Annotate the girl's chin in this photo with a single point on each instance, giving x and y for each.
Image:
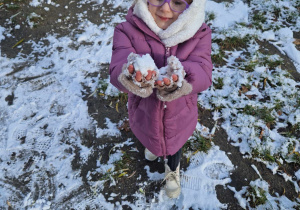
(163, 25)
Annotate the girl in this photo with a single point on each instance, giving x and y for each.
(161, 58)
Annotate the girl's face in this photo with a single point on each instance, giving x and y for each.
(163, 15)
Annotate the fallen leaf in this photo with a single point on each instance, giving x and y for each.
(261, 134)
(19, 42)
(122, 174)
(8, 203)
(131, 175)
(117, 104)
(125, 126)
(297, 42)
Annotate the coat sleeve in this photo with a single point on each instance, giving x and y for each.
(122, 47)
(198, 66)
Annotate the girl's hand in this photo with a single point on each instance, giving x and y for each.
(167, 81)
(139, 75)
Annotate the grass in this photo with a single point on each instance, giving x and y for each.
(276, 12)
(217, 59)
(259, 19)
(268, 157)
(264, 154)
(256, 196)
(197, 143)
(11, 4)
(231, 43)
(296, 157)
(261, 60)
(121, 168)
(119, 100)
(210, 16)
(264, 114)
(219, 83)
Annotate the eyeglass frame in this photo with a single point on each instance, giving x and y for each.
(168, 1)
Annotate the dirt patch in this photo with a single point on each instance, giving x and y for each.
(268, 49)
(59, 19)
(244, 173)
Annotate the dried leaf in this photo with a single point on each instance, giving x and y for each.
(131, 175)
(111, 105)
(117, 104)
(125, 126)
(293, 150)
(244, 89)
(142, 191)
(19, 42)
(297, 42)
(261, 134)
(122, 174)
(265, 83)
(109, 170)
(8, 203)
(250, 96)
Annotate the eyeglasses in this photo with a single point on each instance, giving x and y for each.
(175, 5)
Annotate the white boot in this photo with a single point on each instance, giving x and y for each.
(149, 155)
(172, 178)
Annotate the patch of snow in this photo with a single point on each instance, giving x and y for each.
(228, 14)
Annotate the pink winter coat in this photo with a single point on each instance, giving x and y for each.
(162, 127)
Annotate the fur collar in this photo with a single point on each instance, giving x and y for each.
(184, 28)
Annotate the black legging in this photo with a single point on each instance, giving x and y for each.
(173, 160)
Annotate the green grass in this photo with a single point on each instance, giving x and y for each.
(259, 19)
(217, 59)
(121, 168)
(276, 11)
(210, 16)
(119, 100)
(261, 60)
(11, 4)
(261, 113)
(197, 143)
(219, 83)
(256, 196)
(231, 43)
(268, 156)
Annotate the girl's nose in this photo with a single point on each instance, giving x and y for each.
(165, 7)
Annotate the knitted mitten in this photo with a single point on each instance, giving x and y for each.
(177, 88)
(143, 88)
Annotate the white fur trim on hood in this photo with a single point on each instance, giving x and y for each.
(185, 27)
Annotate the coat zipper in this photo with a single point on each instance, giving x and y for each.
(167, 54)
(167, 51)
(163, 113)
(163, 127)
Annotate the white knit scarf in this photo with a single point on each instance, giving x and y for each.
(185, 27)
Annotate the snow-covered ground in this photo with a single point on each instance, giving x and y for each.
(42, 124)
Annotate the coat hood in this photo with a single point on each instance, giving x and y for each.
(184, 28)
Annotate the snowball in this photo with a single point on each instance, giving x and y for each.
(144, 63)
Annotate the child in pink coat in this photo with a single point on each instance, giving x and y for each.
(161, 58)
